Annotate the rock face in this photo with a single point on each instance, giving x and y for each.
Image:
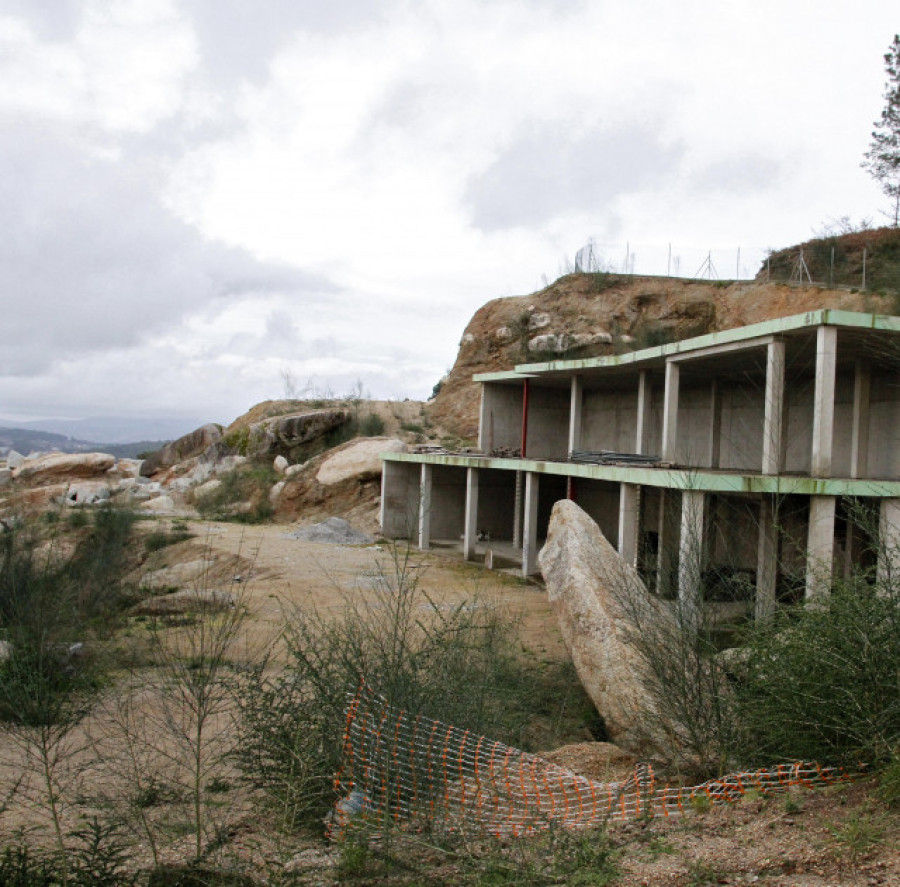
(56, 467)
(360, 459)
(281, 435)
(198, 441)
(595, 596)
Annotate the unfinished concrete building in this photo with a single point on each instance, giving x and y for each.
(755, 463)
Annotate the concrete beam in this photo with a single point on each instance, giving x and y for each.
(628, 523)
(766, 560)
(425, 508)
(642, 436)
(470, 534)
(670, 412)
(723, 348)
(773, 420)
(823, 401)
(529, 540)
(692, 557)
(820, 546)
(859, 434)
(889, 545)
(576, 400)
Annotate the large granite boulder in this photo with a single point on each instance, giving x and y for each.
(53, 468)
(600, 601)
(193, 444)
(360, 459)
(283, 435)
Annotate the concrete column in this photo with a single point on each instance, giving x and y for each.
(386, 478)
(575, 406)
(517, 512)
(628, 523)
(642, 436)
(425, 508)
(668, 530)
(823, 404)
(471, 527)
(889, 545)
(766, 559)
(670, 412)
(715, 424)
(773, 421)
(485, 429)
(859, 435)
(692, 556)
(820, 546)
(529, 541)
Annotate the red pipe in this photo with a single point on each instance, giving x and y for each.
(524, 417)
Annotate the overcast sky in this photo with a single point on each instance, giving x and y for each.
(197, 196)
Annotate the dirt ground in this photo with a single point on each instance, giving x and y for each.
(843, 835)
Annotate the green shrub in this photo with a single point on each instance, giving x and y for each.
(371, 425)
(457, 665)
(820, 681)
(242, 496)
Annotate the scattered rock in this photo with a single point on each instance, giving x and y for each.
(178, 575)
(538, 321)
(291, 470)
(193, 444)
(5, 477)
(207, 489)
(280, 464)
(87, 493)
(189, 600)
(360, 459)
(595, 596)
(333, 531)
(55, 467)
(14, 459)
(159, 504)
(276, 490)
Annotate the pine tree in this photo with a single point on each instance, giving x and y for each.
(883, 157)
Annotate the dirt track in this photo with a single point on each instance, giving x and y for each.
(278, 573)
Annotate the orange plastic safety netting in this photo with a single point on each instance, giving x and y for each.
(403, 769)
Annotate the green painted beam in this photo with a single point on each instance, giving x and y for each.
(671, 478)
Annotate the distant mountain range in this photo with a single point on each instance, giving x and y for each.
(122, 437)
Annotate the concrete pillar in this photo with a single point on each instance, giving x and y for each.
(859, 435)
(670, 412)
(773, 421)
(387, 471)
(889, 545)
(529, 540)
(820, 546)
(485, 424)
(823, 403)
(517, 512)
(642, 437)
(471, 527)
(575, 406)
(766, 559)
(425, 508)
(668, 530)
(692, 556)
(715, 424)
(628, 522)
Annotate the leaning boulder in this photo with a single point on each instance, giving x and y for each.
(53, 468)
(282, 435)
(360, 459)
(193, 444)
(599, 600)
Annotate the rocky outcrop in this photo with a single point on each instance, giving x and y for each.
(53, 468)
(599, 600)
(281, 435)
(360, 459)
(193, 444)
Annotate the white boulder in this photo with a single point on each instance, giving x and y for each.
(600, 601)
(360, 459)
